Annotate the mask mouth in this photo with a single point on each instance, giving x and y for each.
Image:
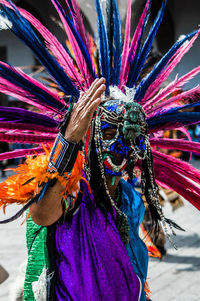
(116, 165)
(116, 159)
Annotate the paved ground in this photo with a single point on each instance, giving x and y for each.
(175, 278)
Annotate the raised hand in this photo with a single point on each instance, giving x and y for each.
(83, 111)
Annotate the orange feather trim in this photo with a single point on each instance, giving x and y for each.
(147, 290)
(22, 186)
(152, 249)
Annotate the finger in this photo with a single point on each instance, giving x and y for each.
(94, 105)
(93, 83)
(84, 93)
(94, 87)
(99, 92)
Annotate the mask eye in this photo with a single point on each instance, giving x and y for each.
(109, 134)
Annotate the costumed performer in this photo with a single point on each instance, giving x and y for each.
(86, 244)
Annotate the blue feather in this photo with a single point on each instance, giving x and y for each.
(38, 95)
(187, 106)
(133, 64)
(76, 35)
(104, 59)
(172, 120)
(117, 43)
(110, 34)
(146, 47)
(70, 6)
(43, 191)
(149, 78)
(22, 29)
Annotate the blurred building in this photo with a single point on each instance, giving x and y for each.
(181, 17)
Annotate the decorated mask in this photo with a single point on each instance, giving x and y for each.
(120, 131)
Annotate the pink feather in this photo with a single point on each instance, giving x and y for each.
(126, 45)
(173, 86)
(13, 90)
(166, 176)
(134, 43)
(153, 88)
(80, 60)
(179, 166)
(171, 102)
(165, 74)
(20, 153)
(178, 144)
(78, 22)
(53, 45)
(26, 138)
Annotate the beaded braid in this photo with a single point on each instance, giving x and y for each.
(122, 219)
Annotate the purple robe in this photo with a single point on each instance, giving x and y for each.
(91, 261)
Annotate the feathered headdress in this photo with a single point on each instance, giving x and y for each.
(121, 62)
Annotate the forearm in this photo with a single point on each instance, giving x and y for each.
(49, 209)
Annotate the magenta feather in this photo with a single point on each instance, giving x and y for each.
(78, 22)
(178, 144)
(134, 43)
(168, 174)
(57, 49)
(10, 89)
(172, 101)
(172, 87)
(80, 60)
(167, 71)
(20, 153)
(53, 45)
(14, 90)
(8, 125)
(26, 138)
(179, 166)
(126, 45)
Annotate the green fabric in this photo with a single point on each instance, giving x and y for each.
(37, 256)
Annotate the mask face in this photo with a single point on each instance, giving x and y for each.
(120, 131)
(114, 150)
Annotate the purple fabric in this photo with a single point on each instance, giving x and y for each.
(92, 262)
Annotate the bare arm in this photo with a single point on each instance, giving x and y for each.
(49, 209)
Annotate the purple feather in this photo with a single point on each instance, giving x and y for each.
(25, 116)
(56, 48)
(53, 45)
(9, 125)
(15, 82)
